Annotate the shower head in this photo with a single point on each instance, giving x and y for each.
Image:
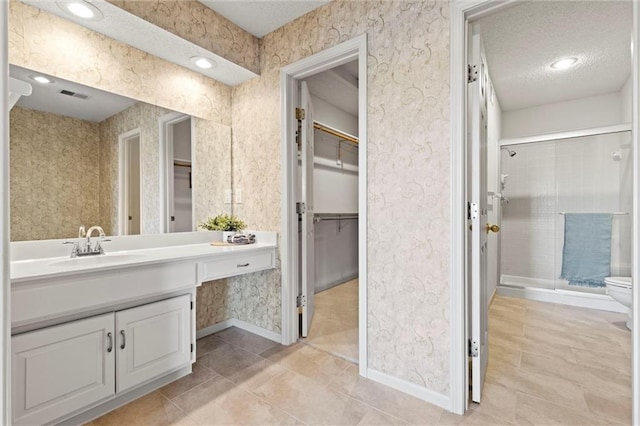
(511, 153)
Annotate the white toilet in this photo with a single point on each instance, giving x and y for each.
(619, 288)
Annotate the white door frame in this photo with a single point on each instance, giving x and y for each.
(123, 180)
(5, 281)
(461, 12)
(348, 51)
(165, 139)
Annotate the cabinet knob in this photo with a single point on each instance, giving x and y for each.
(124, 340)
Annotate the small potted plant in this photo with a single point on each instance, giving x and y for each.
(229, 224)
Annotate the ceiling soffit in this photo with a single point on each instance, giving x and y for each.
(200, 25)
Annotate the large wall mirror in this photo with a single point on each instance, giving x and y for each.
(82, 156)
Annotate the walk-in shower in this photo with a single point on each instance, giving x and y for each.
(550, 179)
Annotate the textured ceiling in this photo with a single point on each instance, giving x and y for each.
(261, 17)
(97, 107)
(522, 41)
(130, 29)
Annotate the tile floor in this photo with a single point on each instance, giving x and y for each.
(334, 328)
(549, 364)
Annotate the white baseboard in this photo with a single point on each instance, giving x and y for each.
(234, 322)
(603, 302)
(493, 296)
(212, 329)
(412, 389)
(267, 334)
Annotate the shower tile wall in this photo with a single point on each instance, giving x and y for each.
(577, 175)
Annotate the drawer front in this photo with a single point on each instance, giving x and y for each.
(237, 265)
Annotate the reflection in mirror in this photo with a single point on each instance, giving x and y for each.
(81, 156)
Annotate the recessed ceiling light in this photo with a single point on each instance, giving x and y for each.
(563, 64)
(41, 79)
(81, 9)
(203, 63)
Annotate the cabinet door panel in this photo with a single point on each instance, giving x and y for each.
(60, 369)
(153, 340)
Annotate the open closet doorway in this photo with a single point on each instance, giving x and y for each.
(324, 201)
(551, 160)
(176, 145)
(328, 208)
(130, 203)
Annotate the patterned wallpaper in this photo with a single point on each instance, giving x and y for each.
(200, 25)
(54, 178)
(145, 117)
(211, 168)
(408, 156)
(49, 44)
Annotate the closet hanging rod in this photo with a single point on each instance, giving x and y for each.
(318, 217)
(179, 164)
(335, 133)
(613, 213)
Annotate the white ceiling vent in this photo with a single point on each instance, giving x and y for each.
(73, 94)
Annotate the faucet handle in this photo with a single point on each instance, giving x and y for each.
(81, 232)
(75, 250)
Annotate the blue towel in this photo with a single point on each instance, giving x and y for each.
(586, 255)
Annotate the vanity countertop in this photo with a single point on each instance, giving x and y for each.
(36, 260)
(25, 270)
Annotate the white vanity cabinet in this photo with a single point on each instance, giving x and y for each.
(92, 334)
(152, 340)
(66, 368)
(61, 369)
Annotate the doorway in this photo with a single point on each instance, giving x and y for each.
(462, 15)
(176, 169)
(298, 247)
(329, 261)
(130, 218)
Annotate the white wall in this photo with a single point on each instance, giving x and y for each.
(182, 140)
(494, 126)
(584, 113)
(335, 191)
(332, 116)
(336, 252)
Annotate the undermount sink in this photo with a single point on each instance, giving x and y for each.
(97, 260)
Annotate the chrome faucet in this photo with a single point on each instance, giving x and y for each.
(87, 250)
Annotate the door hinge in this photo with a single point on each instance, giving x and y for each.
(472, 73)
(300, 114)
(472, 211)
(473, 348)
(192, 347)
(301, 208)
(301, 301)
(192, 306)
